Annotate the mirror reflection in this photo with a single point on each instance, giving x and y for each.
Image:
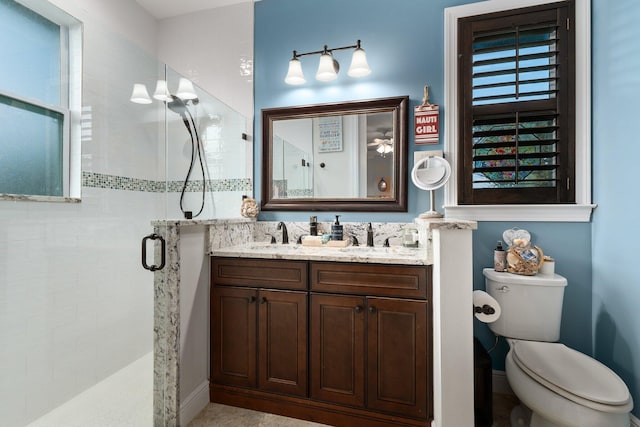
(344, 154)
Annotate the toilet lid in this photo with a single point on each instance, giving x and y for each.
(565, 370)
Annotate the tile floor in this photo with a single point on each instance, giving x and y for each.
(216, 415)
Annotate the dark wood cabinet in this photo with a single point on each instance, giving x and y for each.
(338, 343)
(282, 341)
(233, 336)
(258, 335)
(398, 356)
(337, 362)
(380, 343)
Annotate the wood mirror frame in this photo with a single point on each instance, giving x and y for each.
(396, 203)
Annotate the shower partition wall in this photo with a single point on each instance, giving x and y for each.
(225, 158)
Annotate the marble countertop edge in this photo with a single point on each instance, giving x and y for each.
(378, 255)
(191, 222)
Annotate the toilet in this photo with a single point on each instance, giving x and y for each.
(557, 386)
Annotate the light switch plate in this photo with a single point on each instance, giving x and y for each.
(419, 155)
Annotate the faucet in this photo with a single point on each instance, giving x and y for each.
(370, 236)
(285, 235)
(386, 242)
(354, 240)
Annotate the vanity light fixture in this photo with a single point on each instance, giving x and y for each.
(328, 67)
(185, 91)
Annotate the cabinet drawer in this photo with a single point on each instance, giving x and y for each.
(266, 273)
(371, 279)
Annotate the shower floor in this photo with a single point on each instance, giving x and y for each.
(125, 399)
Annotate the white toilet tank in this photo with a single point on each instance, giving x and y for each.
(531, 305)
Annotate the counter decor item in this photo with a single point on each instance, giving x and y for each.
(336, 229)
(499, 258)
(249, 207)
(548, 266)
(522, 257)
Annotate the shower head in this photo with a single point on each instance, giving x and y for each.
(178, 106)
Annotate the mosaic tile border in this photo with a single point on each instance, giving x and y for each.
(115, 182)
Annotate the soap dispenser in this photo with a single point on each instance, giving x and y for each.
(336, 229)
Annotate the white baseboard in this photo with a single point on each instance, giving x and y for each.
(500, 384)
(194, 403)
(635, 422)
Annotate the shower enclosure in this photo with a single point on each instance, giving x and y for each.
(76, 306)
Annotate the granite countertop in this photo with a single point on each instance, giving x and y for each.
(363, 254)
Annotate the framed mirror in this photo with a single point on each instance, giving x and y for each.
(349, 156)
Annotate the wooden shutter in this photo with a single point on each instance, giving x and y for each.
(516, 102)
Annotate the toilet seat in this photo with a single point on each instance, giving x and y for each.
(572, 375)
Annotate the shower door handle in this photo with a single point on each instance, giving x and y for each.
(153, 267)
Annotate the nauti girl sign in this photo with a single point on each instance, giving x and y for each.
(426, 121)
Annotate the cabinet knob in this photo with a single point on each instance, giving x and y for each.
(252, 299)
(263, 300)
(358, 309)
(372, 309)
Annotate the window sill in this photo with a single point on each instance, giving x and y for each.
(537, 213)
(24, 198)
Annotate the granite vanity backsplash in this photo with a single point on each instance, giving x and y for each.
(233, 237)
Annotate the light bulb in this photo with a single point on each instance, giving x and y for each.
(328, 68)
(359, 66)
(295, 76)
(139, 95)
(185, 89)
(162, 91)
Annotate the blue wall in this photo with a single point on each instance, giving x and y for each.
(616, 150)
(404, 41)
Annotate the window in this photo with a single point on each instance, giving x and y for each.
(39, 93)
(520, 135)
(516, 76)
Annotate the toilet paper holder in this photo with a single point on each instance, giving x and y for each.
(485, 309)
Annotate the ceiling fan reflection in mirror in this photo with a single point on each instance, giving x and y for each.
(383, 143)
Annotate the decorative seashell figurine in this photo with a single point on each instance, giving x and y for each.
(249, 208)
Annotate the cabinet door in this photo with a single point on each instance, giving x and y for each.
(233, 336)
(282, 337)
(398, 356)
(337, 348)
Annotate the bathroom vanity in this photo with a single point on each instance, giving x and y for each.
(333, 342)
(345, 336)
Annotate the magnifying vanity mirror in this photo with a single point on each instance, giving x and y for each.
(431, 173)
(349, 156)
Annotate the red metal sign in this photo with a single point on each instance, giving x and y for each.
(426, 124)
